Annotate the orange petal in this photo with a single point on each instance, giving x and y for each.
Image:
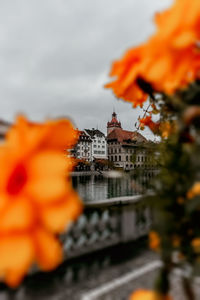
(17, 215)
(60, 135)
(53, 134)
(56, 217)
(47, 177)
(16, 256)
(48, 250)
(185, 39)
(7, 161)
(24, 136)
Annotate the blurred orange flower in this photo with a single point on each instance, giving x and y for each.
(126, 71)
(168, 128)
(154, 240)
(148, 295)
(147, 121)
(196, 245)
(194, 191)
(173, 58)
(168, 61)
(37, 199)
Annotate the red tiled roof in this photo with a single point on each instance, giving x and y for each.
(122, 136)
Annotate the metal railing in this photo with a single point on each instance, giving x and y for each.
(107, 223)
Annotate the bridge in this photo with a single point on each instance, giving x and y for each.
(106, 256)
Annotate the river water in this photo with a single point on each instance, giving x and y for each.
(100, 187)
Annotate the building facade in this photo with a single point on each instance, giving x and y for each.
(83, 149)
(127, 150)
(99, 144)
(4, 126)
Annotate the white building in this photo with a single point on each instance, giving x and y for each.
(83, 149)
(128, 149)
(4, 126)
(99, 144)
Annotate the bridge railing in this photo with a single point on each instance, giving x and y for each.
(107, 223)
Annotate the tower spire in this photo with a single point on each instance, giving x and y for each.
(113, 124)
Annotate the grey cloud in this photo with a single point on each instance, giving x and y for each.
(55, 56)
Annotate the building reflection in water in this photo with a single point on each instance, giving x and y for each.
(97, 187)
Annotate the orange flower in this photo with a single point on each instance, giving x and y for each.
(148, 295)
(154, 240)
(173, 52)
(37, 199)
(125, 86)
(168, 61)
(147, 121)
(196, 245)
(168, 128)
(194, 191)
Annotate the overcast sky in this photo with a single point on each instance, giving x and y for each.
(55, 56)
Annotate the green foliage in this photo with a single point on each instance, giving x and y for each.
(176, 203)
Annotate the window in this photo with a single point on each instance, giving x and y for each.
(119, 157)
(94, 146)
(138, 158)
(115, 150)
(115, 157)
(126, 157)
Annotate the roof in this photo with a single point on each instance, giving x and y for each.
(4, 126)
(125, 136)
(83, 136)
(6, 123)
(92, 132)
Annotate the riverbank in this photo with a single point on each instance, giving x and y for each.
(87, 173)
(105, 173)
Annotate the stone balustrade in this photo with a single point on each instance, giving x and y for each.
(107, 223)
